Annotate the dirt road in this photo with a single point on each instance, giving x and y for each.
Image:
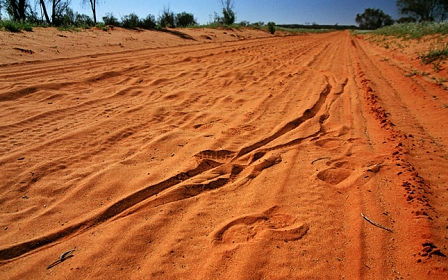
(253, 159)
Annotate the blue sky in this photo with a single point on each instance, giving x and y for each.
(278, 11)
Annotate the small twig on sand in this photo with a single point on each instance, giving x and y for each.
(320, 159)
(375, 164)
(375, 224)
(66, 255)
(63, 257)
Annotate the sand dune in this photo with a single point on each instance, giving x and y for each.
(214, 156)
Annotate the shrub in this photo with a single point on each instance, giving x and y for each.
(83, 20)
(11, 26)
(436, 53)
(15, 26)
(149, 22)
(185, 19)
(109, 19)
(271, 27)
(228, 16)
(167, 18)
(130, 21)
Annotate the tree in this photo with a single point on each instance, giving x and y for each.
(423, 10)
(167, 18)
(271, 27)
(149, 22)
(92, 4)
(44, 9)
(110, 19)
(227, 12)
(16, 9)
(373, 19)
(82, 20)
(130, 21)
(59, 11)
(185, 19)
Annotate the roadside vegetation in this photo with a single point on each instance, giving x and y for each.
(436, 32)
(423, 23)
(15, 26)
(414, 30)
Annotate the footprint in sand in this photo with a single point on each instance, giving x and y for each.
(338, 172)
(271, 225)
(223, 155)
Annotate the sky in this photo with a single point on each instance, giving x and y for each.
(279, 11)
(324, 12)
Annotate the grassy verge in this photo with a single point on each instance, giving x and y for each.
(15, 26)
(414, 30)
(302, 30)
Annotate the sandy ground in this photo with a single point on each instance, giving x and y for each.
(219, 154)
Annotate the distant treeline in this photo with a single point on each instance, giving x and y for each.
(317, 26)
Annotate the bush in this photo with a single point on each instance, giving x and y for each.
(185, 19)
(167, 18)
(109, 19)
(149, 22)
(228, 16)
(435, 53)
(15, 26)
(130, 21)
(271, 27)
(83, 20)
(11, 26)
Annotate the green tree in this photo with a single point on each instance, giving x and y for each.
(185, 19)
(227, 12)
(148, 23)
(61, 14)
(83, 20)
(423, 10)
(167, 18)
(110, 19)
(373, 19)
(130, 21)
(16, 9)
(271, 27)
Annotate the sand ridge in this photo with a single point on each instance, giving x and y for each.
(242, 159)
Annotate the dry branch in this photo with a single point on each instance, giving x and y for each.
(375, 224)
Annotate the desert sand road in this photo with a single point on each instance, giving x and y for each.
(296, 157)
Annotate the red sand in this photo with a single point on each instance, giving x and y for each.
(219, 154)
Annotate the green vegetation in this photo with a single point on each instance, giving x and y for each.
(414, 30)
(229, 16)
(15, 26)
(303, 30)
(373, 19)
(271, 27)
(436, 53)
(422, 10)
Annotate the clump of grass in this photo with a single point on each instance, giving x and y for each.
(439, 53)
(412, 73)
(414, 30)
(15, 26)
